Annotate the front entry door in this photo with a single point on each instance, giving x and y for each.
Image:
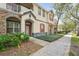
(28, 28)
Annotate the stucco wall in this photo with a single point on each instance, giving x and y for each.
(35, 23)
(37, 26)
(40, 17)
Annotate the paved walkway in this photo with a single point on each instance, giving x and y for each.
(60, 47)
(40, 42)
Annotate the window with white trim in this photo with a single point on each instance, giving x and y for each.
(13, 26)
(43, 13)
(39, 10)
(13, 7)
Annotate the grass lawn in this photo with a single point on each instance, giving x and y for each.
(74, 50)
(51, 37)
(75, 39)
(71, 54)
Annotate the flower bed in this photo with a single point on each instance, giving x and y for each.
(12, 40)
(26, 48)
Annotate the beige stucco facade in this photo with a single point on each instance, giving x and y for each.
(27, 14)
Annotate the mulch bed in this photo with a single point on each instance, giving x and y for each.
(25, 49)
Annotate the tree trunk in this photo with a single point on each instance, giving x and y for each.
(56, 30)
(78, 32)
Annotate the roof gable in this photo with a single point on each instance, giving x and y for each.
(31, 13)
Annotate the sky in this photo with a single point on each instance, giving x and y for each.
(47, 6)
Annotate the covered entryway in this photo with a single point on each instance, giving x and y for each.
(27, 23)
(28, 27)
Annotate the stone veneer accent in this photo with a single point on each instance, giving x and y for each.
(2, 25)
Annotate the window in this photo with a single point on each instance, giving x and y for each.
(13, 27)
(13, 7)
(47, 15)
(9, 27)
(50, 17)
(42, 28)
(43, 13)
(39, 10)
(17, 27)
(9, 6)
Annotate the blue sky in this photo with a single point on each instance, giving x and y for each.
(47, 6)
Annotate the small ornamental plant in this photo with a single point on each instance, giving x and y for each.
(12, 40)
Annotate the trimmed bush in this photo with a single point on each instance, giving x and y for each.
(50, 38)
(24, 37)
(15, 39)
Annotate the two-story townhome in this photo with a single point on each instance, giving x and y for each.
(29, 18)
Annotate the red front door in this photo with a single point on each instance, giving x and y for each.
(28, 28)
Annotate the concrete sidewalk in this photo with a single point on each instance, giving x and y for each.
(60, 47)
(38, 41)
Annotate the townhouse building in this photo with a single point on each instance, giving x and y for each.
(29, 18)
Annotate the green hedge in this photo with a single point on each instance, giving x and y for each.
(50, 38)
(11, 40)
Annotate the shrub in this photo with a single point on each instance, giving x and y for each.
(9, 40)
(2, 47)
(4, 39)
(14, 41)
(18, 35)
(24, 37)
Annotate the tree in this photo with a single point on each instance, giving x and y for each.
(71, 11)
(58, 10)
(68, 25)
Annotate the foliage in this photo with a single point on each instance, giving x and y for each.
(22, 36)
(58, 7)
(15, 39)
(50, 38)
(75, 38)
(71, 53)
(68, 25)
(67, 11)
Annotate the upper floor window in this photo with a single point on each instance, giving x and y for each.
(39, 10)
(43, 13)
(13, 7)
(42, 27)
(47, 15)
(50, 17)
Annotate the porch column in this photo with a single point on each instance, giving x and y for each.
(23, 24)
